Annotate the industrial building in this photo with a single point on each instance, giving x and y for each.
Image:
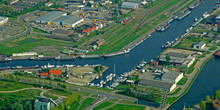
(199, 45)
(43, 103)
(157, 84)
(177, 59)
(172, 77)
(129, 5)
(3, 20)
(67, 21)
(217, 19)
(50, 16)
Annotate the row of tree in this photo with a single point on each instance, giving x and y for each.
(205, 104)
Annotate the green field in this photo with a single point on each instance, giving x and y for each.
(26, 94)
(86, 102)
(60, 92)
(126, 107)
(8, 86)
(28, 42)
(103, 105)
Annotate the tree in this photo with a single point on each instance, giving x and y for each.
(45, 82)
(51, 83)
(6, 101)
(2, 104)
(208, 99)
(64, 86)
(167, 60)
(202, 105)
(217, 94)
(40, 82)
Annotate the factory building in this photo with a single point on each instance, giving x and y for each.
(67, 21)
(178, 59)
(172, 77)
(157, 84)
(3, 20)
(50, 16)
(199, 45)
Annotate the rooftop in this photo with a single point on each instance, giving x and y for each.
(200, 44)
(135, 1)
(50, 16)
(155, 83)
(171, 75)
(129, 5)
(55, 72)
(66, 20)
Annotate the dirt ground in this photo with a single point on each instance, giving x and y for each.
(183, 51)
(46, 50)
(82, 75)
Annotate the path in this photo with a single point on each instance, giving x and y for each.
(22, 90)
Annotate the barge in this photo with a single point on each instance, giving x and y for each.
(40, 58)
(194, 5)
(65, 58)
(7, 59)
(163, 27)
(89, 56)
(183, 14)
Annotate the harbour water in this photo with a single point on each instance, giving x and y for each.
(147, 50)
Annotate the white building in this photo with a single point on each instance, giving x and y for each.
(3, 20)
(199, 45)
(48, 4)
(172, 77)
(24, 54)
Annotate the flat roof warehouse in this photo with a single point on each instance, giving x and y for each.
(59, 18)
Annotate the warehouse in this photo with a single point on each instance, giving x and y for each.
(172, 77)
(67, 21)
(129, 5)
(157, 84)
(50, 16)
(199, 45)
(178, 59)
(3, 20)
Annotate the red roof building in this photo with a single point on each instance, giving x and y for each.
(44, 74)
(55, 72)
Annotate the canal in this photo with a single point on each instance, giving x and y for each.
(147, 50)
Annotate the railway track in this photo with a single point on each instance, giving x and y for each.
(143, 20)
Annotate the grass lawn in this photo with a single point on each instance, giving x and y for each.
(188, 42)
(61, 92)
(175, 92)
(26, 94)
(182, 81)
(213, 48)
(191, 68)
(103, 105)
(86, 102)
(50, 96)
(28, 42)
(8, 86)
(168, 5)
(38, 30)
(126, 107)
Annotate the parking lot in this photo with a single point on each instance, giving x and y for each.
(10, 29)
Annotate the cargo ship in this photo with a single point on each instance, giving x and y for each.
(183, 15)
(90, 56)
(194, 5)
(163, 27)
(217, 54)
